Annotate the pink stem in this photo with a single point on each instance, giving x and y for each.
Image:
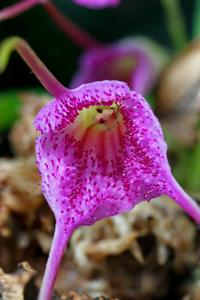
(58, 246)
(79, 36)
(47, 79)
(184, 200)
(16, 9)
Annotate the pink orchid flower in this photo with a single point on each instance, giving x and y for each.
(100, 152)
(97, 3)
(130, 60)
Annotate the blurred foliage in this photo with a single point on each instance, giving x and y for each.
(185, 162)
(174, 19)
(9, 105)
(196, 19)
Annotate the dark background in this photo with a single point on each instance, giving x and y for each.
(132, 17)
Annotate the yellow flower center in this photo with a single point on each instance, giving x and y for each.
(96, 119)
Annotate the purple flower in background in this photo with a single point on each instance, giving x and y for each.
(130, 60)
(97, 3)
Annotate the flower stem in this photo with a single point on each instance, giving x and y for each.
(47, 79)
(79, 36)
(58, 246)
(175, 23)
(184, 200)
(18, 8)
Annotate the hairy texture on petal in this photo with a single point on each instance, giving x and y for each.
(97, 3)
(59, 113)
(129, 60)
(95, 172)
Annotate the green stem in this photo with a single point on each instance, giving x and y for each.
(175, 23)
(196, 20)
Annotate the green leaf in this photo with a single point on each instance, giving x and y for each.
(7, 46)
(180, 159)
(151, 100)
(175, 22)
(9, 107)
(193, 170)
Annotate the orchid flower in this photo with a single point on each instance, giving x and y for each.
(97, 3)
(130, 60)
(100, 152)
